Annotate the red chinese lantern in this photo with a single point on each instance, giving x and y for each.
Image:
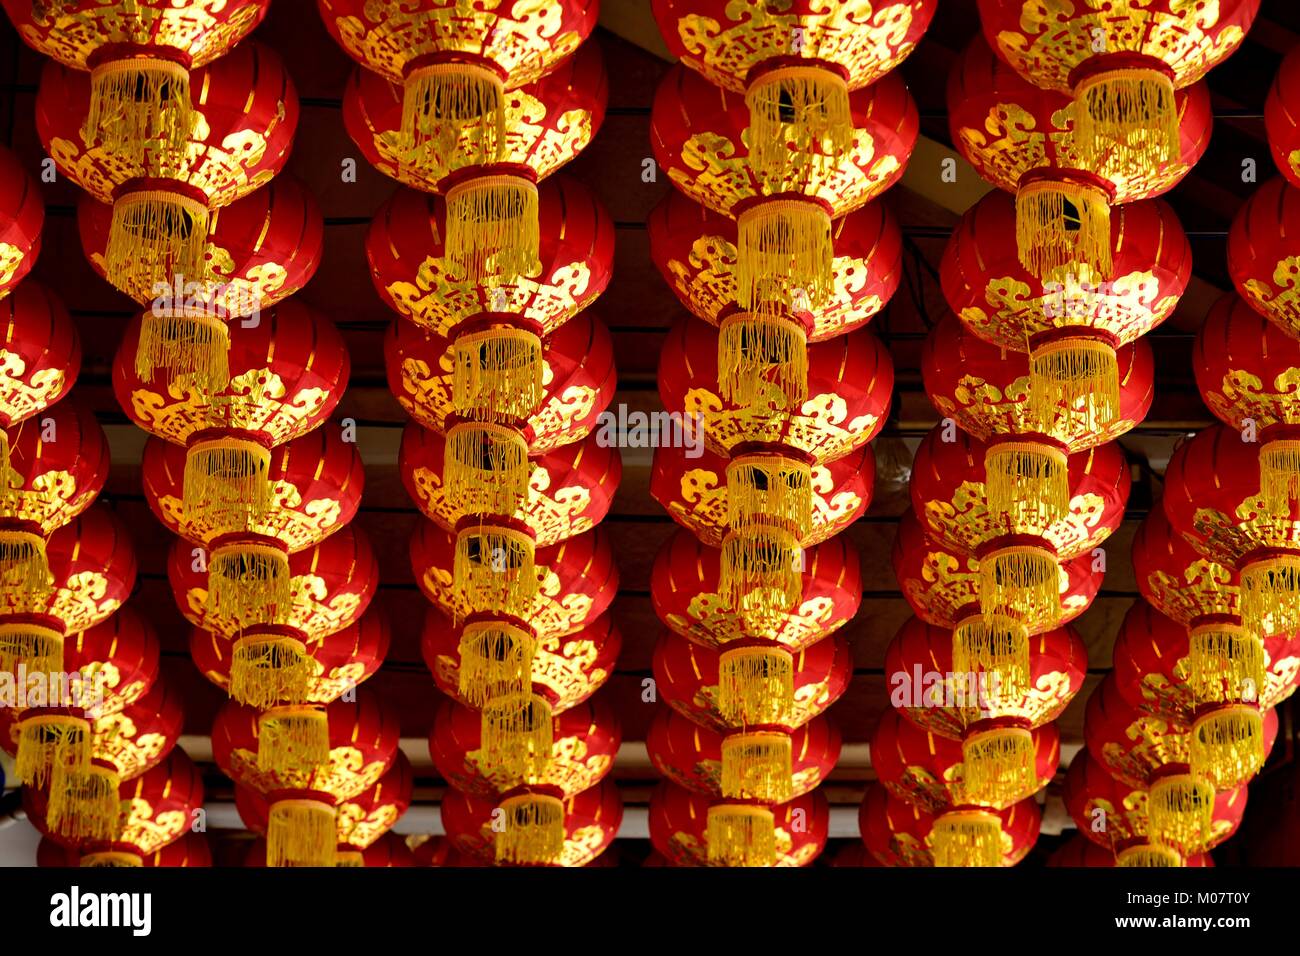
(304, 794)
(692, 829)
(1079, 851)
(591, 822)
(562, 589)
(1074, 328)
(702, 139)
(245, 111)
(756, 683)
(22, 214)
(898, 833)
(260, 249)
(696, 251)
(1280, 123)
(1026, 141)
(488, 658)
(1263, 258)
(685, 586)
(190, 850)
(1121, 66)
(40, 354)
(1113, 814)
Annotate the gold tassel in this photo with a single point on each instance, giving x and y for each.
(1180, 810)
(1279, 475)
(349, 858)
(49, 745)
(294, 739)
(1225, 663)
(806, 107)
(517, 736)
(1149, 854)
(755, 686)
(248, 584)
(761, 574)
(756, 352)
(492, 229)
(998, 766)
(1063, 228)
(455, 108)
(1227, 745)
(486, 469)
(38, 649)
(996, 646)
(769, 489)
(111, 858)
(141, 108)
(85, 804)
(25, 577)
(758, 766)
(493, 571)
(496, 660)
(534, 830)
(967, 838)
(1270, 595)
(497, 374)
(1020, 582)
(784, 260)
(741, 835)
(191, 345)
(1126, 117)
(1079, 375)
(269, 669)
(1029, 482)
(301, 833)
(227, 485)
(156, 236)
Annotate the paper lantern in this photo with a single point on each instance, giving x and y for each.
(1079, 851)
(190, 850)
(1263, 256)
(40, 355)
(22, 214)
(897, 833)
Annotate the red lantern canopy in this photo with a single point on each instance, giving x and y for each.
(40, 353)
(591, 822)
(22, 214)
(190, 850)
(756, 683)
(898, 833)
(686, 590)
(1079, 851)
(1263, 257)
(1283, 132)
(692, 829)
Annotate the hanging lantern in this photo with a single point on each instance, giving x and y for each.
(897, 833)
(40, 354)
(22, 215)
(191, 849)
(1026, 141)
(1079, 851)
(1263, 256)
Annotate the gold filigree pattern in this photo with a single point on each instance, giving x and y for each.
(573, 768)
(23, 393)
(553, 514)
(80, 601)
(1243, 395)
(289, 519)
(821, 427)
(50, 501)
(11, 257)
(966, 521)
(116, 740)
(687, 849)
(1204, 589)
(561, 664)
(709, 620)
(554, 612)
(148, 830)
(1280, 302)
(360, 826)
(345, 776)
(1044, 702)
(1250, 527)
(312, 609)
(1176, 700)
(1151, 742)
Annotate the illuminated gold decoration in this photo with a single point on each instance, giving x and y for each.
(498, 374)
(998, 766)
(806, 107)
(138, 105)
(156, 226)
(1227, 745)
(755, 686)
(301, 833)
(770, 489)
(446, 103)
(492, 228)
(1027, 477)
(190, 345)
(486, 468)
(266, 669)
(496, 660)
(24, 567)
(293, 739)
(38, 649)
(1279, 475)
(533, 830)
(741, 835)
(518, 735)
(248, 582)
(761, 574)
(784, 244)
(1180, 811)
(50, 745)
(967, 838)
(1061, 224)
(754, 349)
(1080, 373)
(84, 804)
(1129, 111)
(996, 645)
(758, 766)
(494, 570)
(1148, 854)
(226, 483)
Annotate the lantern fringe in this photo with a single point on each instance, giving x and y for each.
(349, 858)
(497, 373)
(227, 487)
(967, 838)
(486, 469)
(247, 584)
(1180, 810)
(1127, 119)
(38, 649)
(85, 804)
(492, 229)
(1029, 482)
(1270, 595)
(110, 858)
(141, 106)
(301, 833)
(755, 686)
(1022, 583)
(757, 352)
(998, 766)
(50, 745)
(804, 107)
(761, 576)
(293, 740)
(1279, 475)
(741, 835)
(784, 259)
(517, 736)
(269, 669)
(1149, 854)
(996, 646)
(496, 660)
(1225, 664)
(456, 109)
(534, 830)
(191, 345)
(758, 766)
(1227, 745)
(1079, 376)
(25, 578)
(156, 236)
(494, 571)
(1062, 227)
(767, 489)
